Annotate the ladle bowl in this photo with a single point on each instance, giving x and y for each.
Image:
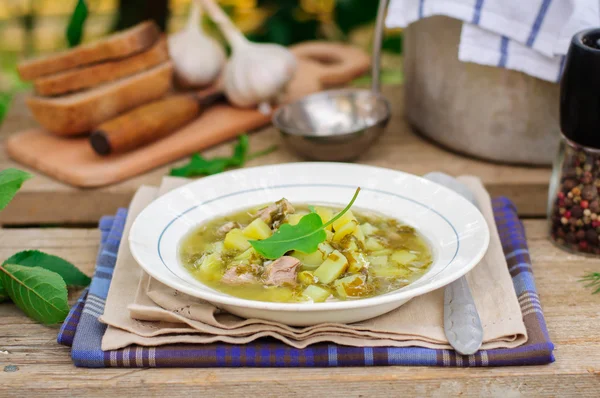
(334, 125)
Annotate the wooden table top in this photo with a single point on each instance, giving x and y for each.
(41, 366)
(43, 200)
(572, 314)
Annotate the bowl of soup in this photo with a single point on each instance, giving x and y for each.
(283, 243)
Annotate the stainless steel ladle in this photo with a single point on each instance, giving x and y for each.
(338, 125)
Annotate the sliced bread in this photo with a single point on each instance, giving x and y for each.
(118, 45)
(94, 75)
(81, 112)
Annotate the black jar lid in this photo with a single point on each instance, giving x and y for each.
(580, 90)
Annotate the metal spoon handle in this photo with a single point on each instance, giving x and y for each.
(377, 40)
(461, 319)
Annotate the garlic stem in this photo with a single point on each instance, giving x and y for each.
(230, 31)
(194, 17)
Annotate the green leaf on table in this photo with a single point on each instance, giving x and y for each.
(10, 182)
(5, 100)
(593, 281)
(35, 258)
(76, 23)
(240, 150)
(199, 166)
(3, 294)
(39, 293)
(304, 236)
(262, 153)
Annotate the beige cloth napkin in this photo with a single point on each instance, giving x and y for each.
(156, 314)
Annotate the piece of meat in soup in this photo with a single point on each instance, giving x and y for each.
(281, 271)
(238, 276)
(228, 226)
(274, 214)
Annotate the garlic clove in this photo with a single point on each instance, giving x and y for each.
(258, 73)
(197, 58)
(235, 86)
(255, 73)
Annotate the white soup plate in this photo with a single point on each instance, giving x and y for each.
(454, 228)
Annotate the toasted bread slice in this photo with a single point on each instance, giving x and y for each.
(81, 112)
(94, 75)
(118, 45)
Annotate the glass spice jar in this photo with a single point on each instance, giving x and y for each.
(574, 195)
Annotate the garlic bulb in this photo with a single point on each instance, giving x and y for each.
(255, 73)
(198, 59)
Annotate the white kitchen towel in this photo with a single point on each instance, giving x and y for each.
(530, 36)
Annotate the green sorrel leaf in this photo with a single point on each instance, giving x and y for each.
(240, 150)
(10, 182)
(199, 166)
(304, 236)
(39, 293)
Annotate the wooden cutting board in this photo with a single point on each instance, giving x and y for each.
(72, 160)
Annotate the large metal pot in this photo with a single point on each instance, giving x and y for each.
(491, 113)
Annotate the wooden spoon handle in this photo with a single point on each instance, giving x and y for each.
(144, 124)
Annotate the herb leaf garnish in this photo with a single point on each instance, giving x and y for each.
(304, 236)
(200, 166)
(39, 293)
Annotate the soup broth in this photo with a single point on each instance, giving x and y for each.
(365, 254)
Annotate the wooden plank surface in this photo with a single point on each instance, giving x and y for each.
(572, 314)
(43, 200)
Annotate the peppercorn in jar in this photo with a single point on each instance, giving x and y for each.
(575, 203)
(574, 196)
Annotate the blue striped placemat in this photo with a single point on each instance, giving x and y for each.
(83, 332)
